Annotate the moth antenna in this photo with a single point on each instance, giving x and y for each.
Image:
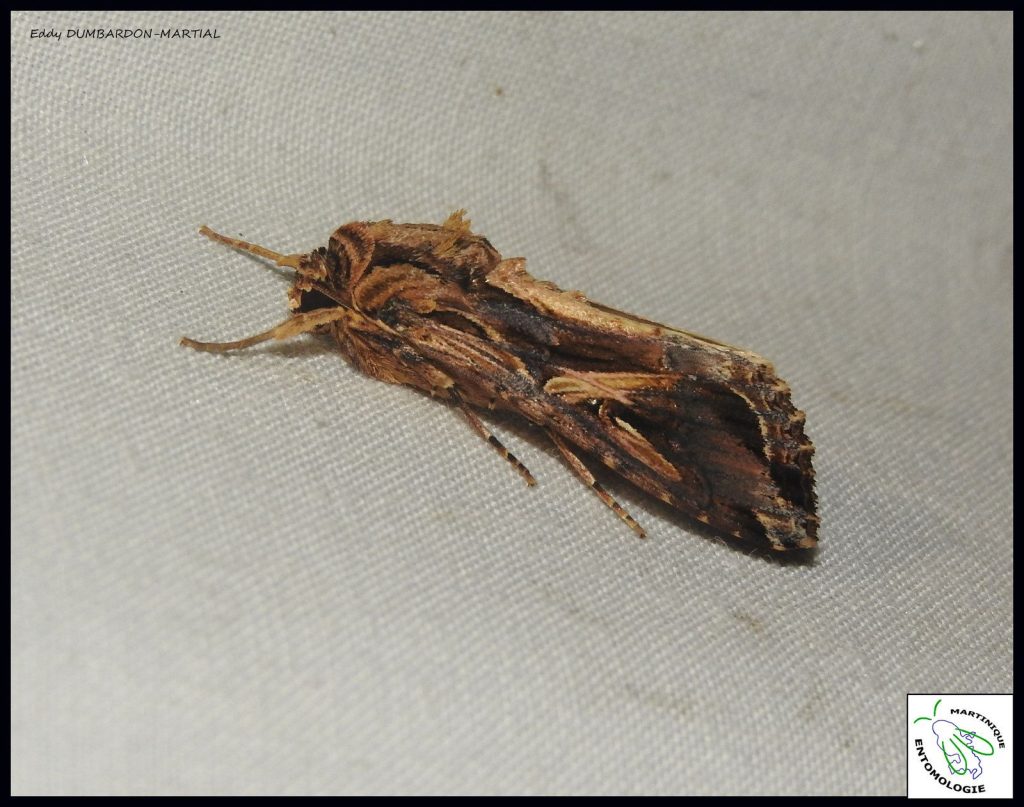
(286, 261)
(293, 326)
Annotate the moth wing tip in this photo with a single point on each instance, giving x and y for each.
(807, 542)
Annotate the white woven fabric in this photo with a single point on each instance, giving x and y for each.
(266, 573)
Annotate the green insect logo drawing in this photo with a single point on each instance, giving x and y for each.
(961, 749)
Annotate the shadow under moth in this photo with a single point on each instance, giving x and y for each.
(705, 427)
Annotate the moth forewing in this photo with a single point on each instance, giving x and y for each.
(706, 427)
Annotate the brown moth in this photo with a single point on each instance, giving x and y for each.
(708, 428)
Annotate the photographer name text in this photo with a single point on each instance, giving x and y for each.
(125, 33)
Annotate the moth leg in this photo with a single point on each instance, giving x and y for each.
(293, 326)
(484, 432)
(287, 261)
(583, 473)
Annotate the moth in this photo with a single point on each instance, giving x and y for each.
(708, 428)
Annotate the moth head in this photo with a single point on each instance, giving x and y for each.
(316, 283)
